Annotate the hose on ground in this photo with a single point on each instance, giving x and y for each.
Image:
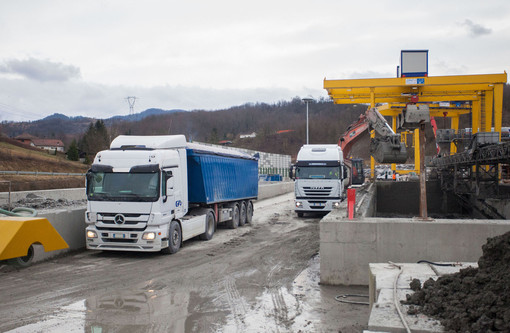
(434, 263)
(16, 212)
(395, 300)
(343, 299)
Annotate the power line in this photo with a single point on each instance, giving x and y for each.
(18, 113)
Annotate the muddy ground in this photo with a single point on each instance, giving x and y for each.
(262, 277)
(475, 299)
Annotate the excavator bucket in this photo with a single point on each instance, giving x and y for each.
(388, 149)
(17, 234)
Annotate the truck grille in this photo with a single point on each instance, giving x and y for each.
(317, 192)
(127, 222)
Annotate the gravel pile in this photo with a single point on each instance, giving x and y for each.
(40, 203)
(474, 299)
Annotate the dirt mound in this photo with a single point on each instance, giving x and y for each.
(474, 299)
(37, 202)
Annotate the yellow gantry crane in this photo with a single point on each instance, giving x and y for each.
(446, 96)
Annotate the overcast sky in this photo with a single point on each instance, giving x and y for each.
(85, 57)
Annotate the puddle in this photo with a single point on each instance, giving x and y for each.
(219, 308)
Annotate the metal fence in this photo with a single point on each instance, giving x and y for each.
(41, 173)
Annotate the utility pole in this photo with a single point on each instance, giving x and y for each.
(307, 101)
(131, 101)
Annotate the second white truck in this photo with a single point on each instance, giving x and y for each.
(319, 176)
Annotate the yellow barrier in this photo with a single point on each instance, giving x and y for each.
(17, 234)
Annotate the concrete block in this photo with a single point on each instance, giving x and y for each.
(384, 317)
(365, 240)
(383, 313)
(332, 264)
(339, 262)
(385, 274)
(70, 224)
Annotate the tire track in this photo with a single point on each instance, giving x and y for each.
(236, 303)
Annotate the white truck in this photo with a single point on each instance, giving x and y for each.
(319, 175)
(151, 193)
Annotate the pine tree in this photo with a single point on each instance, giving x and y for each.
(73, 153)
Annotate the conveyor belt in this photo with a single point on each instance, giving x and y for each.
(487, 155)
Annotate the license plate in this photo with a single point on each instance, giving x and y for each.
(316, 204)
(119, 236)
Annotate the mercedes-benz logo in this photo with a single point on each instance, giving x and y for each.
(119, 219)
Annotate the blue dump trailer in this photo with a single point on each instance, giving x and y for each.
(215, 177)
(151, 193)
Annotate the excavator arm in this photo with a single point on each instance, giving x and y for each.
(385, 147)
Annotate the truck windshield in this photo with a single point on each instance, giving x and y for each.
(314, 172)
(122, 186)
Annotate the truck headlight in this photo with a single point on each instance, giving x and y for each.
(91, 234)
(149, 236)
(336, 204)
(299, 204)
(91, 217)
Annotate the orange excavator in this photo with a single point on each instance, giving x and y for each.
(385, 147)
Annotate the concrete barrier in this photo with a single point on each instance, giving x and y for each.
(70, 223)
(348, 246)
(274, 189)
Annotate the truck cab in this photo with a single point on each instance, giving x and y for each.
(133, 193)
(319, 176)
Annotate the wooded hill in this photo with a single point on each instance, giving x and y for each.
(280, 127)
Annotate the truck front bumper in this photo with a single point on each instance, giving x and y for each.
(152, 239)
(316, 205)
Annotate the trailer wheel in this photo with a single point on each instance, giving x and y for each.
(209, 226)
(24, 261)
(249, 211)
(234, 223)
(242, 214)
(174, 238)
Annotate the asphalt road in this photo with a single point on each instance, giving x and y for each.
(262, 277)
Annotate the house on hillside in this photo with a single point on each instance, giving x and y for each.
(25, 138)
(47, 144)
(251, 135)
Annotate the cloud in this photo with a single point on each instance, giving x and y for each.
(40, 70)
(476, 30)
(22, 99)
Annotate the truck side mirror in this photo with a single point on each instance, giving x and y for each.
(167, 175)
(344, 172)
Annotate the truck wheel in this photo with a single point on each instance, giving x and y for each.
(234, 223)
(174, 238)
(300, 214)
(242, 214)
(249, 212)
(24, 261)
(209, 226)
